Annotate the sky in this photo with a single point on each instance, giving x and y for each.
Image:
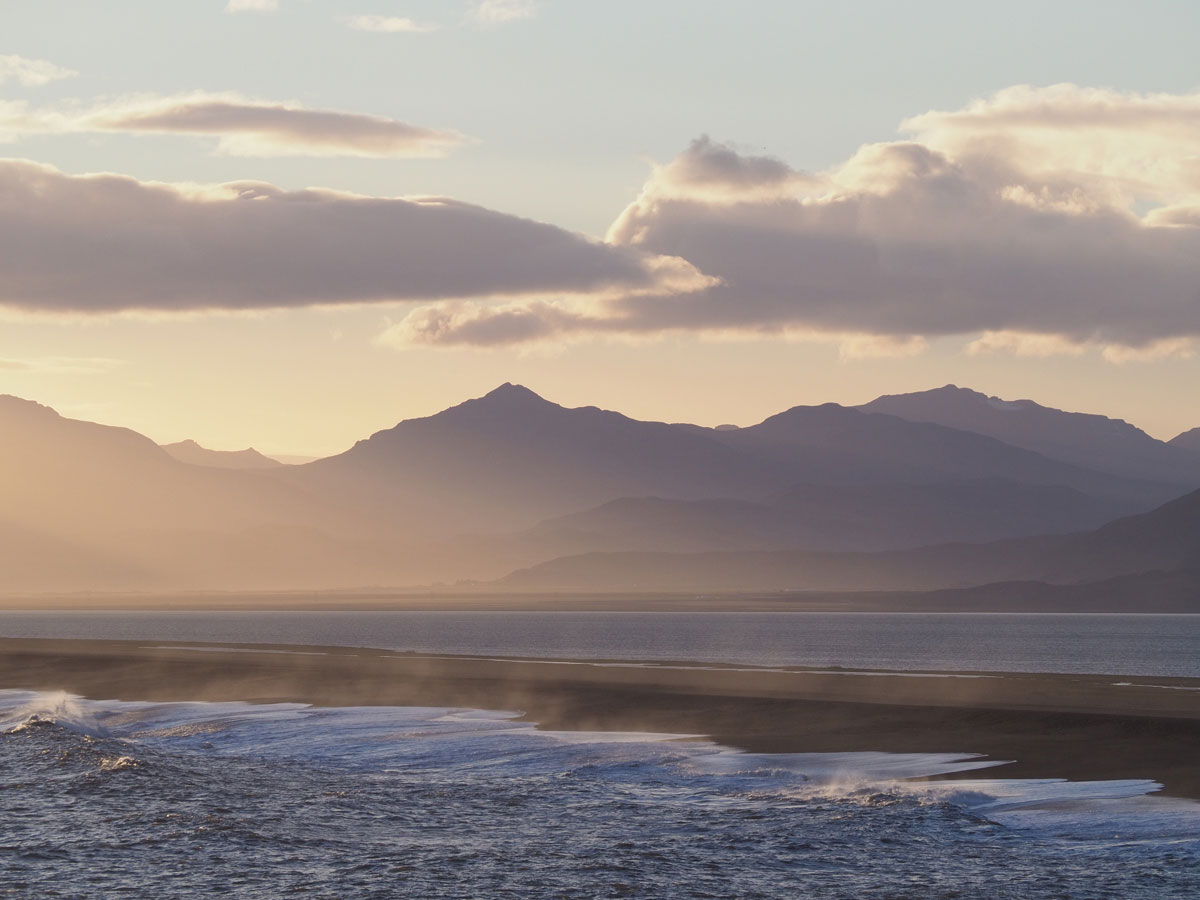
(291, 224)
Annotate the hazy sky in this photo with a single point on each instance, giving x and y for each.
(305, 220)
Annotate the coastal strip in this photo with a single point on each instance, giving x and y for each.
(1082, 727)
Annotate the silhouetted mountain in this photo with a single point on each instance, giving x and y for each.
(444, 498)
(1092, 441)
(1189, 440)
(192, 453)
(510, 458)
(837, 444)
(831, 517)
(112, 501)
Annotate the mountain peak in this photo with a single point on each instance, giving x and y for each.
(193, 453)
(508, 400)
(509, 393)
(1083, 439)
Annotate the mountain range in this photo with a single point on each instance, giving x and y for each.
(946, 488)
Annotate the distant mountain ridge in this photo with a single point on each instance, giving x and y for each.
(511, 458)
(1092, 441)
(511, 481)
(190, 452)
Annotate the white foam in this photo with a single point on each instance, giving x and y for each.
(20, 710)
(444, 739)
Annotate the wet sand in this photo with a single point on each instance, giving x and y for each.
(1071, 726)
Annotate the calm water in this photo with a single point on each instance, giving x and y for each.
(1103, 644)
(106, 799)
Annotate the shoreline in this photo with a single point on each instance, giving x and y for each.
(1081, 727)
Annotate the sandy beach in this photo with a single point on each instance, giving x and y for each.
(1072, 726)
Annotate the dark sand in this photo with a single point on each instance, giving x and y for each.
(1072, 726)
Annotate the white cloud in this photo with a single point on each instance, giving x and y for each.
(31, 72)
(1052, 221)
(390, 24)
(1114, 147)
(235, 6)
(242, 126)
(490, 13)
(108, 243)
(1024, 344)
(1166, 348)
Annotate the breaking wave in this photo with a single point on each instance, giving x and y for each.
(191, 799)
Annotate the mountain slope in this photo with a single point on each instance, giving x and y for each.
(1092, 441)
(1166, 539)
(1163, 540)
(830, 517)
(80, 497)
(511, 458)
(1189, 440)
(837, 444)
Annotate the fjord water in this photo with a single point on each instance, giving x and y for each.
(1162, 645)
(187, 800)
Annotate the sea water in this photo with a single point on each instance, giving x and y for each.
(1161, 645)
(179, 800)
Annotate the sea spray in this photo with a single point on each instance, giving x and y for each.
(52, 707)
(196, 798)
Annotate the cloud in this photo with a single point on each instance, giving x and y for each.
(1023, 344)
(719, 173)
(390, 24)
(236, 6)
(1166, 348)
(485, 325)
(31, 72)
(109, 243)
(60, 365)
(1119, 147)
(243, 127)
(998, 221)
(490, 13)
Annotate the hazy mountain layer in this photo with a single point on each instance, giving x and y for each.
(1166, 539)
(832, 517)
(510, 459)
(510, 480)
(191, 452)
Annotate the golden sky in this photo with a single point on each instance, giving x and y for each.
(346, 218)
